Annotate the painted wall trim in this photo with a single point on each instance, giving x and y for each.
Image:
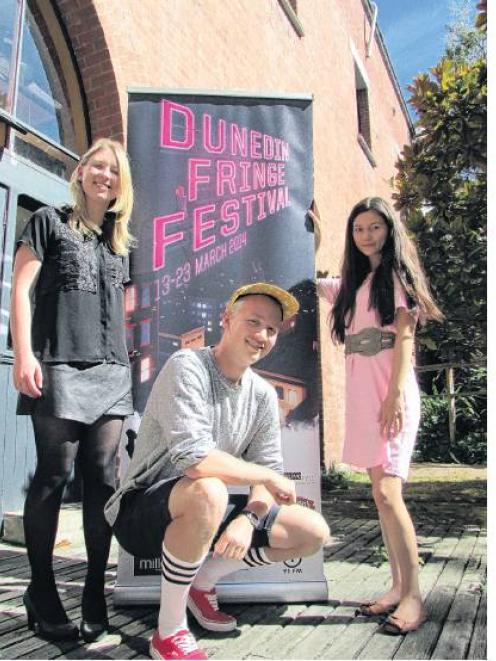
(242, 94)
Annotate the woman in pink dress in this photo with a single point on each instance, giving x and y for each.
(376, 303)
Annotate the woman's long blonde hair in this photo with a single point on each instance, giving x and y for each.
(120, 238)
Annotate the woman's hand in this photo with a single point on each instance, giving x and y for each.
(392, 414)
(235, 540)
(28, 378)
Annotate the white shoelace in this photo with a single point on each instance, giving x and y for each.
(212, 600)
(186, 643)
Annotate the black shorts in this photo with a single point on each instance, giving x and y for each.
(144, 515)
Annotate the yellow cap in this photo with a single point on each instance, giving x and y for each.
(287, 301)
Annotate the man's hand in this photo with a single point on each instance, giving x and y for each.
(235, 540)
(282, 490)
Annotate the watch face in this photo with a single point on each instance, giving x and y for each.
(252, 517)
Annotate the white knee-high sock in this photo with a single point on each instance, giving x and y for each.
(215, 568)
(177, 576)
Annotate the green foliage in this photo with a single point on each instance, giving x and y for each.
(441, 188)
(463, 43)
(332, 479)
(470, 446)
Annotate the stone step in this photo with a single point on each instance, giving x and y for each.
(70, 526)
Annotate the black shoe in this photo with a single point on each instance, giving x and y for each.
(93, 631)
(48, 630)
(94, 623)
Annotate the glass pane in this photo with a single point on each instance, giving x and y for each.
(42, 100)
(47, 156)
(8, 29)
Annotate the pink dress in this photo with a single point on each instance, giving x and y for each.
(367, 382)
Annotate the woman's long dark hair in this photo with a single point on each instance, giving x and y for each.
(398, 255)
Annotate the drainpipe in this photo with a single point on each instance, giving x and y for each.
(372, 27)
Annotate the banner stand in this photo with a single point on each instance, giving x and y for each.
(223, 183)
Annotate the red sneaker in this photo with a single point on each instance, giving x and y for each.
(181, 645)
(204, 607)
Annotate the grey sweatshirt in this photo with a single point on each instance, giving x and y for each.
(192, 409)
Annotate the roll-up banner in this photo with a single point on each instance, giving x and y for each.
(223, 183)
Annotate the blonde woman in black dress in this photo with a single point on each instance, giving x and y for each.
(72, 372)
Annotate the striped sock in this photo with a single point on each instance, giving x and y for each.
(257, 558)
(215, 568)
(177, 576)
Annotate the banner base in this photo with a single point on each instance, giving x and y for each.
(232, 593)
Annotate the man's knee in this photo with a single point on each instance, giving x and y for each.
(303, 528)
(204, 502)
(318, 530)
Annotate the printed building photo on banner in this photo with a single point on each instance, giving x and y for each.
(223, 184)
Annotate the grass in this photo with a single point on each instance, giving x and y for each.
(444, 492)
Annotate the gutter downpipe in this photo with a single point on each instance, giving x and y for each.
(367, 4)
(375, 10)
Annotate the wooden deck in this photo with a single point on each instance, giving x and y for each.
(453, 578)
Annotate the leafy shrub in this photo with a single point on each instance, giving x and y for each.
(471, 422)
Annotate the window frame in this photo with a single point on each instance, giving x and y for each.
(16, 128)
(362, 104)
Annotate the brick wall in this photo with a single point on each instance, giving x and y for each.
(96, 66)
(252, 45)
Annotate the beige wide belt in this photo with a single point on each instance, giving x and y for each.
(369, 341)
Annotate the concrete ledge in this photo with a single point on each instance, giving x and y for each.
(69, 527)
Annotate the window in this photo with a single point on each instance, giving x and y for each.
(8, 38)
(279, 391)
(362, 103)
(40, 95)
(146, 327)
(130, 299)
(146, 369)
(362, 106)
(292, 397)
(145, 296)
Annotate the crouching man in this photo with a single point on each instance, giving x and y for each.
(211, 422)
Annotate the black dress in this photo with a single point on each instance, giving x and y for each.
(77, 321)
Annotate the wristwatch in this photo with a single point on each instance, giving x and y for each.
(253, 518)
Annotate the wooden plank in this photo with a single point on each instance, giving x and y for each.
(455, 566)
(381, 646)
(125, 626)
(15, 631)
(321, 637)
(478, 642)
(366, 531)
(454, 640)
(286, 638)
(420, 644)
(253, 633)
(352, 638)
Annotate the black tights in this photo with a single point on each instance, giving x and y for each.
(58, 442)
